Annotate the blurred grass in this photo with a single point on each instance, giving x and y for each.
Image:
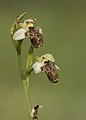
(64, 28)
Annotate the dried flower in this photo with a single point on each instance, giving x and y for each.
(27, 29)
(34, 112)
(46, 63)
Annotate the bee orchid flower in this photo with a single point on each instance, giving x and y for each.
(27, 29)
(46, 63)
(34, 111)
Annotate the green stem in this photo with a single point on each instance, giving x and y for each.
(20, 66)
(26, 84)
(26, 78)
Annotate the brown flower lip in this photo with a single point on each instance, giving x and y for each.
(36, 37)
(50, 70)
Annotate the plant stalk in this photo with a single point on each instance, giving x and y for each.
(26, 84)
(26, 78)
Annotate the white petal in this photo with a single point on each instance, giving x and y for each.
(20, 34)
(37, 67)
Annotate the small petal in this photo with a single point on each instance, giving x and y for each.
(40, 30)
(57, 67)
(20, 34)
(40, 106)
(37, 67)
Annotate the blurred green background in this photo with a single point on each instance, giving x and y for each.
(64, 27)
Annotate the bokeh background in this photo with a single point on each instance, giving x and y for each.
(64, 27)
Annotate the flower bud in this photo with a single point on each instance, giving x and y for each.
(34, 112)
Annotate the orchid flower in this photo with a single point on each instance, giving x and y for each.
(46, 63)
(27, 29)
(20, 34)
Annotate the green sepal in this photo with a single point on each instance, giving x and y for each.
(17, 44)
(15, 25)
(20, 17)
